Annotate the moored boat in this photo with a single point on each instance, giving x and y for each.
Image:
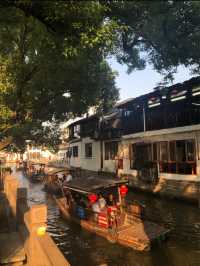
(35, 172)
(115, 220)
(54, 178)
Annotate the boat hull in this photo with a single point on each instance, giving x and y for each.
(139, 235)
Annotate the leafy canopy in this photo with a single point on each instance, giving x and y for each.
(47, 76)
(53, 49)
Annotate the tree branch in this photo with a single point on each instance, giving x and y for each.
(31, 10)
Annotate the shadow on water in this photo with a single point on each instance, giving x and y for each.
(86, 249)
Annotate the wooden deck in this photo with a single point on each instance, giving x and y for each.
(141, 235)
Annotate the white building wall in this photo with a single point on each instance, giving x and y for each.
(93, 163)
(109, 166)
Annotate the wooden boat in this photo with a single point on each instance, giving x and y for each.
(51, 180)
(21, 165)
(124, 224)
(35, 172)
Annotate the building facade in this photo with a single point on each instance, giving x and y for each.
(154, 140)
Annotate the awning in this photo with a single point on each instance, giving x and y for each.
(92, 184)
(53, 171)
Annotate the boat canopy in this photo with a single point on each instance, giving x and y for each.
(37, 163)
(93, 184)
(53, 171)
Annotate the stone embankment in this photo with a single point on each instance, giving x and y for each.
(188, 191)
(23, 236)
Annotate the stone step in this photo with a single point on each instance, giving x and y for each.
(11, 249)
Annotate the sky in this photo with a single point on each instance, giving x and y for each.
(142, 81)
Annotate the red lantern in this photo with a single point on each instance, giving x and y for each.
(123, 190)
(92, 198)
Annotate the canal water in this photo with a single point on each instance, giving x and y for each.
(82, 248)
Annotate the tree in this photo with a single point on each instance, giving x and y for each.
(50, 49)
(45, 78)
(162, 33)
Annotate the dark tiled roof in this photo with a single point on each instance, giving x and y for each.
(178, 86)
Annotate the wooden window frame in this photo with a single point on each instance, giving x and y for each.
(87, 155)
(75, 151)
(110, 154)
(170, 166)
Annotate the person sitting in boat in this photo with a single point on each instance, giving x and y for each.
(41, 170)
(80, 207)
(110, 200)
(96, 210)
(32, 169)
(112, 210)
(56, 179)
(67, 178)
(60, 180)
(101, 201)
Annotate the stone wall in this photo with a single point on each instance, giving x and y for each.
(39, 246)
(179, 189)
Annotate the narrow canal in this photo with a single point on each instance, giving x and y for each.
(82, 248)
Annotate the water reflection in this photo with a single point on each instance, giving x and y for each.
(86, 249)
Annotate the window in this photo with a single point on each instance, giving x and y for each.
(69, 152)
(131, 156)
(190, 148)
(176, 156)
(153, 102)
(88, 150)
(164, 151)
(142, 155)
(177, 95)
(128, 113)
(111, 150)
(77, 129)
(75, 151)
(155, 152)
(196, 91)
(180, 151)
